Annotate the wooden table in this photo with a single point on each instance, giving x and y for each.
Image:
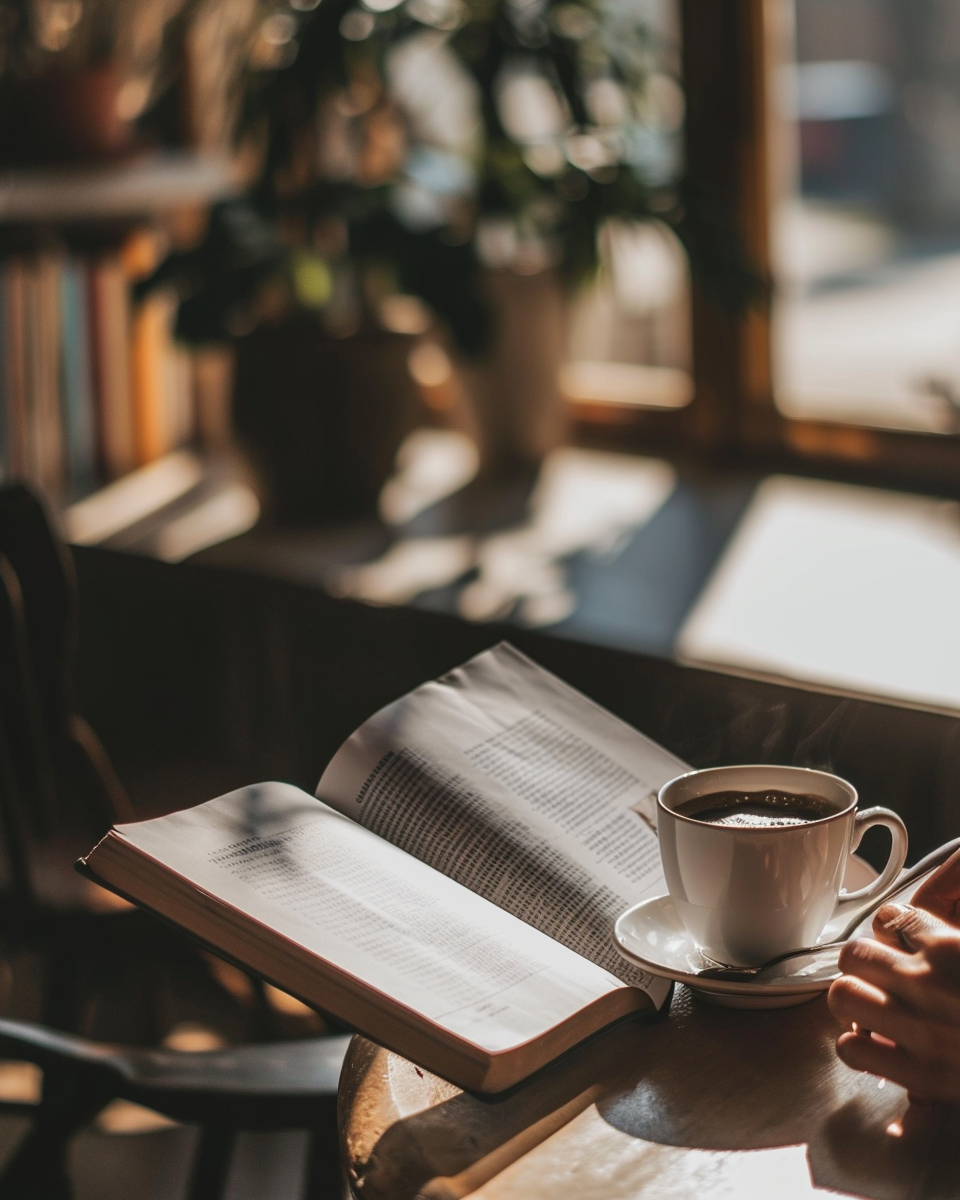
(201, 678)
(708, 1102)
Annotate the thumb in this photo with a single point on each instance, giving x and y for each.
(906, 927)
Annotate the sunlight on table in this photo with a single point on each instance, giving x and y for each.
(840, 586)
(583, 500)
(572, 1155)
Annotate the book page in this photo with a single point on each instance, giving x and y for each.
(516, 785)
(352, 899)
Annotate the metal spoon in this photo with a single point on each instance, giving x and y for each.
(911, 875)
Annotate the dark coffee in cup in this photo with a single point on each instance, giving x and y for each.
(765, 809)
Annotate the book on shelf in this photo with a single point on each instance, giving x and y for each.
(12, 368)
(76, 380)
(112, 374)
(450, 889)
(92, 385)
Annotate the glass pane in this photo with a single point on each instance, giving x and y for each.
(866, 234)
(629, 340)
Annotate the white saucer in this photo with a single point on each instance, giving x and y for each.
(651, 935)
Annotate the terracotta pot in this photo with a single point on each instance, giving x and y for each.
(67, 116)
(517, 410)
(321, 418)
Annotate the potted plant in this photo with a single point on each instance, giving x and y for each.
(466, 152)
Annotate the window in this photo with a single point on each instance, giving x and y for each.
(828, 135)
(629, 339)
(866, 213)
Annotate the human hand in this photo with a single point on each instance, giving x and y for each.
(899, 996)
(940, 894)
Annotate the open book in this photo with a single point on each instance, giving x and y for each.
(452, 889)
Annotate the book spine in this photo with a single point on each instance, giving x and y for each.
(160, 371)
(79, 418)
(32, 353)
(49, 438)
(4, 382)
(110, 343)
(15, 312)
(148, 379)
(95, 349)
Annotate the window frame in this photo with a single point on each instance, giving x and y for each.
(733, 417)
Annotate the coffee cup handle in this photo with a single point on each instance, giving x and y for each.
(863, 821)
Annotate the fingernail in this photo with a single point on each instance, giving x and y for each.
(892, 916)
(860, 948)
(901, 921)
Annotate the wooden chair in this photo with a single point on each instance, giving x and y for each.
(55, 778)
(50, 747)
(275, 1086)
(58, 794)
(54, 774)
(58, 791)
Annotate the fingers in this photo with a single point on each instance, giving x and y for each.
(915, 930)
(861, 1006)
(868, 957)
(920, 1119)
(924, 1077)
(940, 894)
(906, 926)
(864, 1052)
(891, 1002)
(925, 983)
(900, 1003)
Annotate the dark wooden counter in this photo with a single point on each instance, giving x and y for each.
(200, 678)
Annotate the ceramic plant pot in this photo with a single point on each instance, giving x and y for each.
(321, 418)
(516, 407)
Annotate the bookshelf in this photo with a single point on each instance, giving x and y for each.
(92, 385)
(134, 190)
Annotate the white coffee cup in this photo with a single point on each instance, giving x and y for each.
(748, 893)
